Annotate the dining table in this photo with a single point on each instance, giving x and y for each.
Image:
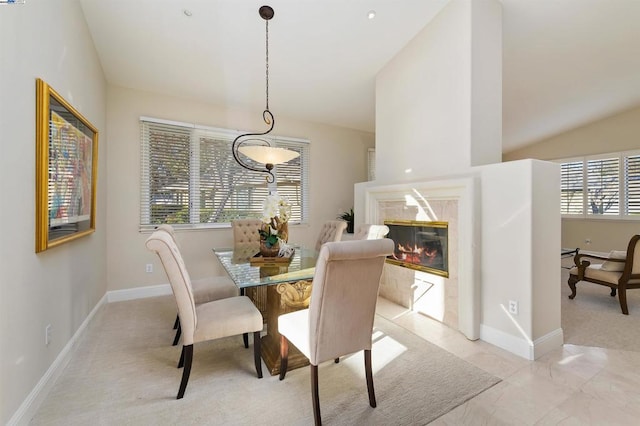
(288, 288)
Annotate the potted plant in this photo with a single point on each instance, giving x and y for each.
(348, 217)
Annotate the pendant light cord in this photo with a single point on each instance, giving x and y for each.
(267, 62)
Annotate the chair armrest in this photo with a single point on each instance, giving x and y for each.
(583, 264)
(577, 259)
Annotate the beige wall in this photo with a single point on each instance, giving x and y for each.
(620, 132)
(46, 39)
(338, 160)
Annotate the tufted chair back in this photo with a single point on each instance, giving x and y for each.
(331, 231)
(371, 232)
(245, 233)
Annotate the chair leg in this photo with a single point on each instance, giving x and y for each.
(256, 353)
(314, 395)
(188, 357)
(622, 296)
(284, 356)
(181, 360)
(245, 336)
(178, 332)
(175, 324)
(572, 285)
(369, 373)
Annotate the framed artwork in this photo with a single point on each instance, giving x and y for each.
(66, 163)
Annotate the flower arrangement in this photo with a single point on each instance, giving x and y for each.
(276, 213)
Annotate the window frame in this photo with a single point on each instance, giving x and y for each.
(196, 134)
(622, 185)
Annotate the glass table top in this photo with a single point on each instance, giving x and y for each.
(236, 263)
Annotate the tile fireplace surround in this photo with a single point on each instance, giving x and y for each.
(454, 300)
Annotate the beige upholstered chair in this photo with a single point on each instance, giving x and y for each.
(204, 289)
(246, 243)
(339, 320)
(620, 271)
(207, 321)
(245, 233)
(331, 231)
(371, 232)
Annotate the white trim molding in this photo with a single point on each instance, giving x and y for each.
(40, 391)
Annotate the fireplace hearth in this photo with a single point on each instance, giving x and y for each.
(419, 245)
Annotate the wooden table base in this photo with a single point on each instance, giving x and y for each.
(281, 299)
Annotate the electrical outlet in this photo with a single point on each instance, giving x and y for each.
(513, 307)
(587, 241)
(149, 267)
(47, 334)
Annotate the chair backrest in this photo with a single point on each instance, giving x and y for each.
(344, 295)
(245, 233)
(633, 254)
(371, 232)
(170, 230)
(331, 231)
(167, 228)
(165, 247)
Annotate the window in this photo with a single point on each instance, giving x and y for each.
(371, 163)
(189, 177)
(606, 186)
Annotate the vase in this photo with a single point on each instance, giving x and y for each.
(283, 232)
(269, 251)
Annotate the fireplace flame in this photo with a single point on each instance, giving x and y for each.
(417, 254)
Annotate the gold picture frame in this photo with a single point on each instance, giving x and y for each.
(66, 167)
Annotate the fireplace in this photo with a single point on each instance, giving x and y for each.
(422, 246)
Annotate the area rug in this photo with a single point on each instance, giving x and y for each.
(124, 372)
(594, 318)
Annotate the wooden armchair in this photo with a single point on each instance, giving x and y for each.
(620, 271)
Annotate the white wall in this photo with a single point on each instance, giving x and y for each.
(427, 110)
(49, 40)
(438, 112)
(520, 256)
(338, 160)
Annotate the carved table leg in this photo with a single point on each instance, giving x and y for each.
(572, 285)
(283, 298)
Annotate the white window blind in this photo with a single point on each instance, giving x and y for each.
(190, 178)
(371, 163)
(603, 178)
(601, 186)
(571, 190)
(632, 184)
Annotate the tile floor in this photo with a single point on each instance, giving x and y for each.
(574, 385)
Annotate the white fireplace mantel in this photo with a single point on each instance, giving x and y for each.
(420, 194)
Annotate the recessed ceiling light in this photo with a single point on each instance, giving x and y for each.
(187, 12)
(371, 14)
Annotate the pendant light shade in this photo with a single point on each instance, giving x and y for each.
(268, 154)
(260, 150)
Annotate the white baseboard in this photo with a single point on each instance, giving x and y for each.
(31, 403)
(28, 408)
(138, 293)
(520, 346)
(548, 342)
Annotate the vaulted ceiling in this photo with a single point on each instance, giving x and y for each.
(565, 62)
